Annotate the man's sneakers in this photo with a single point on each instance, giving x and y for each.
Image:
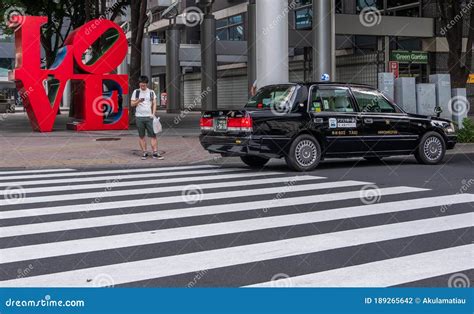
(157, 155)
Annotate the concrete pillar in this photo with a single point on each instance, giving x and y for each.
(426, 99)
(251, 44)
(208, 63)
(123, 69)
(324, 32)
(272, 42)
(405, 93)
(173, 69)
(443, 93)
(386, 84)
(146, 56)
(459, 106)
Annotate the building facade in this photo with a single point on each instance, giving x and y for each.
(404, 31)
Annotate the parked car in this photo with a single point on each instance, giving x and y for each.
(305, 123)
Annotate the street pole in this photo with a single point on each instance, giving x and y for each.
(173, 69)
(324, 41)
(146, 55)
(208, 60)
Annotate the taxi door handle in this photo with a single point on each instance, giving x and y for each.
(368, 120)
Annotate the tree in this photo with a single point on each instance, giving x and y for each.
(455, 14)
(138, 20)
(62, 16)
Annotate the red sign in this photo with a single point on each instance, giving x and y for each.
(95, 108)
(394, 67)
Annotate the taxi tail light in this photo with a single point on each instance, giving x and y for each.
(242, 124)
(206, 123)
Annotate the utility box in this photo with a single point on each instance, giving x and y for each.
(443, 93)
(405, 93)
(459, 105)
(426, 99)
(387, 84)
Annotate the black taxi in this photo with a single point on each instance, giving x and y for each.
(305, 123)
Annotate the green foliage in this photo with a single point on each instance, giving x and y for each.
(466, 134)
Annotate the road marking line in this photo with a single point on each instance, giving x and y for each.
(118, 183)
(186, 263)
(113, 220)
(38, 251)
(149, 174)
(146, 191)
(16, 172)
(390, 272)
(109, 172)
(195, 198)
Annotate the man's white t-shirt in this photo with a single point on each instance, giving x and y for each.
(144, 109)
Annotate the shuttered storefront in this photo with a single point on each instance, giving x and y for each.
(232, 92)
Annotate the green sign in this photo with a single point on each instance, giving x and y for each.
(418, 57)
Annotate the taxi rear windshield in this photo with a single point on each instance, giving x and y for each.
(270, 97)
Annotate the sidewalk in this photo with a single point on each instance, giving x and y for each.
(20, 147)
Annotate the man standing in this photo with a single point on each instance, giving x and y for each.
(144, 100)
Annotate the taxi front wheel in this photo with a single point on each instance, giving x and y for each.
(254, 161)
(431, 150)
(304, 153)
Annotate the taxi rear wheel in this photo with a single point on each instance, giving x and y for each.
(431, 150)
(254, 161)
(304, 153)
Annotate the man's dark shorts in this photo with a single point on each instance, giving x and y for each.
(145, 126)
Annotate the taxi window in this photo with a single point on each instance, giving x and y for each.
(331, 100)
(373, 101)
(271, 97)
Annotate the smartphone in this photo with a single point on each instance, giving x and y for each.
(142, 99)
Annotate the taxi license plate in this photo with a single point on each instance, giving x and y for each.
(221, 125)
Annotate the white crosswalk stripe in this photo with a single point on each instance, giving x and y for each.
(397, 270)
(237, 218)
(4, 174)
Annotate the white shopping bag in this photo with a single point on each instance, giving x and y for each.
(157, 127)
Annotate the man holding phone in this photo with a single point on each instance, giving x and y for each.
(144, 100)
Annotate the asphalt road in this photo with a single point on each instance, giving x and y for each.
(350, 223)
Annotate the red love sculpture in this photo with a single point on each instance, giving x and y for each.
(42, 89)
